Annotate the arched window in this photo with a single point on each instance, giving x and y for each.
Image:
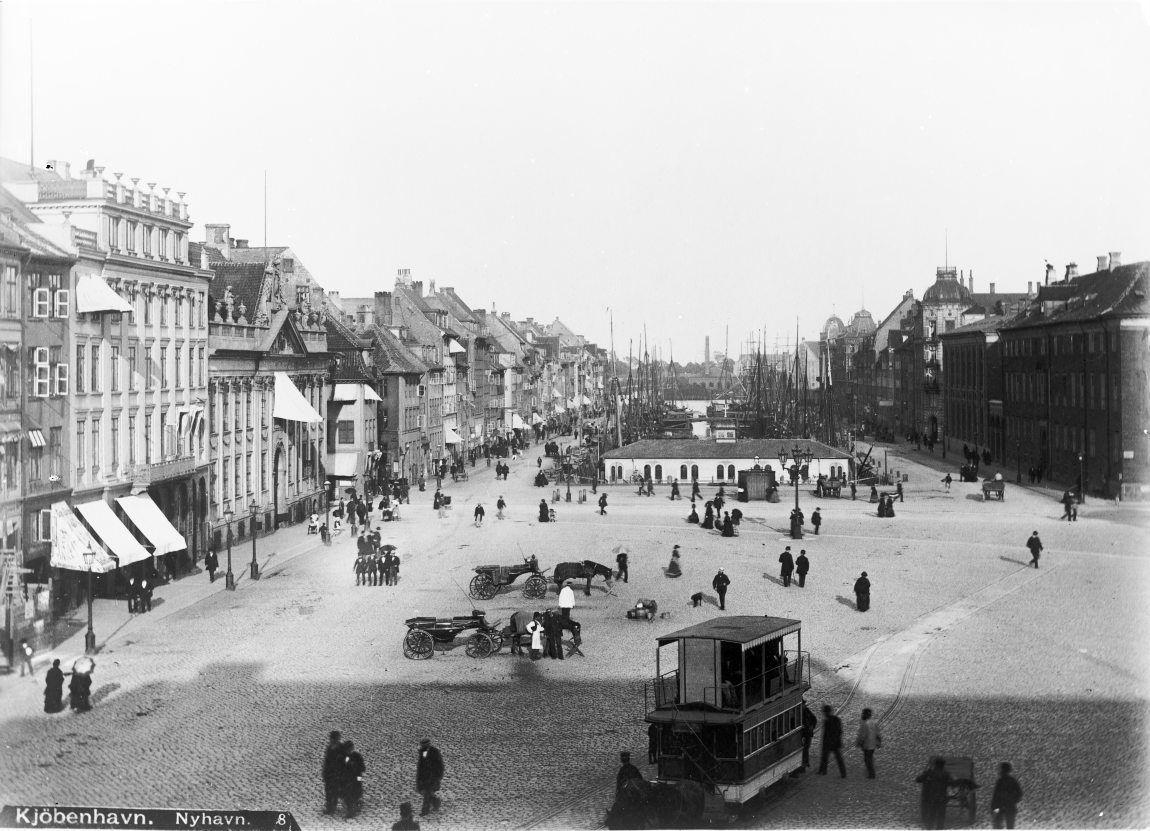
(694, 473)
(718, 471)
(646, 472)
(658, 473)
(682, 471)
(731, 472)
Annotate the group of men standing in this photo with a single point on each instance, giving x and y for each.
(140, 595)
(789, 565)
(375, 565)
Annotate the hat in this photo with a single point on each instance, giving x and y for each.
(567, 582)
(864, 574)
(333, 735)
(720, 570)
(424, 742)
(624, 755)
(405, 808)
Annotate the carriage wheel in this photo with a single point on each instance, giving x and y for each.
(496, 641)
(536, 586)
(418, 645)
(478, 646)
(480, 585)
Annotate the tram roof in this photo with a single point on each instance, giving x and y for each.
(742, 629)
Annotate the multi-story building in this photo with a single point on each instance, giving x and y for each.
(410, 313)
(138, 369)
(357, 459)
(1076, 404)
(268, 365)
(972, 388)
(401, 385)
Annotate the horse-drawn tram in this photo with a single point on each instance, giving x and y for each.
(728, 714)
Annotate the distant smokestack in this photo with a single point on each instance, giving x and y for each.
(706, 352)
(1115, 259)
(1030, 287)
(1103, 263)
(1050, 270)
(1071, 271)
(992, 288)
(970, 281)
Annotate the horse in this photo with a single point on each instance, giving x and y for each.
(587, 569)
(516, 628)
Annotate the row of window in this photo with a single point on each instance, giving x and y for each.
(138, 238)
(235, 416)
(771, 730)
(176, 439)
(1067, 389)
(162, 372)
(1071, 343)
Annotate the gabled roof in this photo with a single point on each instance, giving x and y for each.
(1117, 292)
(340, 336)
(460, 310)
(398, 359)
(257, 254)
(246, 280)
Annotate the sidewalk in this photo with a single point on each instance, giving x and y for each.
(111, 620)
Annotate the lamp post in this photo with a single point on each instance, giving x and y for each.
(255, 566)
(1018, 461)
(799, 457)
(1081, 478)
(229, 578)
(90, 635)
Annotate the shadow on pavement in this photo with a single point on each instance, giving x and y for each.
(846, 601)
(778, 581)
(1013, 560)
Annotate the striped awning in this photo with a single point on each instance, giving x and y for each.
(36, 438)
(112, 532)
(71, 540)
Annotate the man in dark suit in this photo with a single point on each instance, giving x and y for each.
(802, 566)
(832, 741)
(429, 776)
(719, 584)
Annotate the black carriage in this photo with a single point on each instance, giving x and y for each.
(993, 489)
(488, 580)
(426, 634)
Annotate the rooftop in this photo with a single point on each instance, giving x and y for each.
(765, 449)
(735, 629)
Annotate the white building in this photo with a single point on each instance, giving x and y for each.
(716, 462)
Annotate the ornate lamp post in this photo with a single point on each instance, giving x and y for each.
(255, 566)
(90, 636)
(1081, 478)
(799, 457)
(229, 578)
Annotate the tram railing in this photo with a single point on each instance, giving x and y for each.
(729, 696)
(662, 691)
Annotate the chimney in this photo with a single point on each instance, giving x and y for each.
(1030, 287)
(1071, 271)
(431, 287)
(417, 287)
(218, 236)
(404, 276)
(241, 243)
(970, 281)
(204, 258)
(1115, 259)
(992, 288)
(383, 308)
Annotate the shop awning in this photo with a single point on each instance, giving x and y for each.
(10, 431)
(586, 401)
(290, 403)
(556, 394)
(345, 392)
(451, 437)
(558, 409)
(111, 530)
(95, 295)
(70, 539)
(36, 438)
(344, 465)
(152, 523)
(454, 347)
(535, 419)
(369, 394)
(517, 422)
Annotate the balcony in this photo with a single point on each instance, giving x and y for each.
(163, 471)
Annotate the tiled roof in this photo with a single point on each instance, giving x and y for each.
(765, 449)
(1118, 292)
(246, 280)
(457, 307)
(258, 254)
(992, 323)
(399, 359)
(341, 336)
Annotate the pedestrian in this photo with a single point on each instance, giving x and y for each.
(54, 688)
(862, 593)
(387, 564)
(627, 772)
(407, 821)
(144, 602)
(544, 512)
(1007, 795)
(802, 566)
(499, 506)
(479, 514)
(360, 568)
(1074, 512)
(333, 772)
(353, 779)
(26, 659)
(603, 504)
(946, 480)
(935, 782)
(719, 584)
(429, 776)
(1035, 546)
(674, 569)
(80, 690)
(854, 491)
(652, 744)
(1067, 503)
(817, 520)
(553, 631)
(566, 600)
(695, 492)
(675, 490)
(211, 563)
(832, 741)
(898, 491)
(535, 630)
(810, 722)
(787, 566)
(869, 738)
(621, 562)
(378, 568)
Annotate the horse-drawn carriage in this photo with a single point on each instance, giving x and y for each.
(585, 570)
(426, 634)
(995, 487)
(683, 803)
(829, 486)
(488, 580)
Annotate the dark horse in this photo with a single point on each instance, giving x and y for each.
(516, 629)
(585, 570)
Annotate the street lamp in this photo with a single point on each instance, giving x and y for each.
(90, 636)
(799, 457)
(1081, 478)
(1018, 460)
(229, 578)
(255, 566)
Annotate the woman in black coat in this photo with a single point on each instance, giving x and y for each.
(54, 689)
(709, 516)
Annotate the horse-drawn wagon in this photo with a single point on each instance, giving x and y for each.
(995, 488)
(488, 580)
(426, 634)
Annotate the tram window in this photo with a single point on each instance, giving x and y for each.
(683, 472)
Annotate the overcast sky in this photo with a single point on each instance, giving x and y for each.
(690, 166)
